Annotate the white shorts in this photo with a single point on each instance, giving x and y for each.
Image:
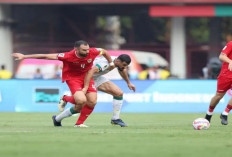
(99, 80)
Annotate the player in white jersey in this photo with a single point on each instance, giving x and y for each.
(101, 67)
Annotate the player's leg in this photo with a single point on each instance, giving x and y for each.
(63, 101)
(112, 89)
(223, 84)
(213, 103)
(87, 109)
(80, 100)
(224, 115)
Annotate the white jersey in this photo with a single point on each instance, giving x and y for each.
(102, 65)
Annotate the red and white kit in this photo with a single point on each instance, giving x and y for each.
(75, 69)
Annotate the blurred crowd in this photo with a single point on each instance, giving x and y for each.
(210, 71)
(154, 73)
(38, 74)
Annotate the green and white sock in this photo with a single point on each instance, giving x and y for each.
(66, 113)
(117, 104)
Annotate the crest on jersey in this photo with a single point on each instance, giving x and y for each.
(89, 60)
(61, 54)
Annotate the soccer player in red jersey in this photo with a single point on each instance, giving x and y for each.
(224, 83)
(76, 63)
(100, 68)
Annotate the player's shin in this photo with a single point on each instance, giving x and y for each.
(227, 110)
(210, 110)
(85, 112)
(66, 113)
(117, 104)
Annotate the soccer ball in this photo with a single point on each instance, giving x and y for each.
(201, 124)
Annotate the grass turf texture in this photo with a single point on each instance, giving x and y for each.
(161, 135)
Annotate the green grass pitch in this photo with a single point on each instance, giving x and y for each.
(148, 134)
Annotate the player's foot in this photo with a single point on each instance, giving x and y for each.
(224, 119)
(62, 104)
(118, 122)
(55, 122)
(81, 126)
(208, 117)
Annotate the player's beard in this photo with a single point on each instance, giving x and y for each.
(83, 55)
(120, 69)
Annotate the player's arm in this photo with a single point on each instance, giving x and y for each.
(223, 57)
(108, 58)
(20, 56)
(88, 77)
(124, 75)
(224, 53)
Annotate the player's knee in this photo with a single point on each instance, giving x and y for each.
(219, 96)
(119, 94)
(92, 103)
(80, 101)
(77, 108)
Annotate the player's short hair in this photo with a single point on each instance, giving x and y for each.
(79, 43)
(125, 58)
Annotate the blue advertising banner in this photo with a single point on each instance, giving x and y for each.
(183, 96)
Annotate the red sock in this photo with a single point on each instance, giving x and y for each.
(69, 99)
(85, 112)
(211, 108)
(228, 108)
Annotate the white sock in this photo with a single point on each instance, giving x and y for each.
(225, 113)
(64, 114)
(117, 104)
(209, 113)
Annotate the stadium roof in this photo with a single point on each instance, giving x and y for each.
(113, 1)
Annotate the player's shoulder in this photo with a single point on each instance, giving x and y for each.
(65, 55)
(229, 43)
(68, 52)
(95, 49)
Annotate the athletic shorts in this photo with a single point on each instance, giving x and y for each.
(223, 84)
(99, 80)
(77, 85)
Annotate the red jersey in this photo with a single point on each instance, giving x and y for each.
(75, 67)
(224, 70)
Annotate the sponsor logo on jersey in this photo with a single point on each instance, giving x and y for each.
(89, 60)
(61, 54)
(47, 95)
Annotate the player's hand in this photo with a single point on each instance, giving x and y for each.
(84, 90)
(230, 66)
(111, 67)
(18, 56)
(131, 86)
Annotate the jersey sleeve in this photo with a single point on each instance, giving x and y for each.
(227, 49)
(62, 56)
(96, 51)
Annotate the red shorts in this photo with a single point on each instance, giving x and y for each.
(77, 85)
(223, 84)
